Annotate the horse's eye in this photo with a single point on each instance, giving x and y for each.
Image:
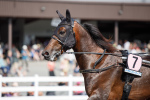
(61, 32)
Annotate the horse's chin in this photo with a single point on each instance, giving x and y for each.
(53, 57)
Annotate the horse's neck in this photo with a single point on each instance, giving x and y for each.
(84, 43)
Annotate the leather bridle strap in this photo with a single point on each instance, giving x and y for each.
(97, 70)
(58, 40)
(98, 61)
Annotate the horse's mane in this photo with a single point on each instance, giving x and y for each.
(100, 40)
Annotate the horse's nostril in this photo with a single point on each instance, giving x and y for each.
(45, 53)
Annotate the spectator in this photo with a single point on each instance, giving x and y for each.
(76, 71)
(5, 94)
(40, 93)
(32, 53)
(144, 48)
(14, 69)
(15, 54)
(3, 66)
(31, 93)
(15, 84)
(50, 93)
(36, 52)
(78, 92)
(64, 66)
(21, 72)
(51, 66)
(9, 59)
(132, 48)
(126, 45)
(25, 54)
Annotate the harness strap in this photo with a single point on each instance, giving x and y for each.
(126, 91)
(98, 61)
(96, 70)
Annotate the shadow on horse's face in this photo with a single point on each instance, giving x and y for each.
(52, 51)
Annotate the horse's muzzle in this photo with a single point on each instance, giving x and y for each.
(46, 55)
(52, 57)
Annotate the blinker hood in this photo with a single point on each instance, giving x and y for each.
(68, 39)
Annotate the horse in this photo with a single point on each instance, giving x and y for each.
(106, 85)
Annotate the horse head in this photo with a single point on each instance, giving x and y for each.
(62, 39)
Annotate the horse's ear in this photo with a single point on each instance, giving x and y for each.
(68, 16)
(60, 15)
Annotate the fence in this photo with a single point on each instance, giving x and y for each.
(36, 88)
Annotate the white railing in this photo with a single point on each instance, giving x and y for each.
(36, 88)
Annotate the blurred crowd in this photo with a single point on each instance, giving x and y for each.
(133, 47)
(14, 62)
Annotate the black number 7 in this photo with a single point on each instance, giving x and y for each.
(136, 58)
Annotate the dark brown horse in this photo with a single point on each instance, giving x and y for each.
(106, 85)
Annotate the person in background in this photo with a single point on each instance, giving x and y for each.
(20, 72)
(14, 94)
(78, 92)
(25, 54)
(76, 70)
(132, 48)
(9, 59)
(15, 54)
(32, 53)
(51, 66)
(31, 93)
(3, 66)
(40, 93)
(36, 52)
(126, 45)
(5, 94)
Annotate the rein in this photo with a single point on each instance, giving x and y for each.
(98, 61)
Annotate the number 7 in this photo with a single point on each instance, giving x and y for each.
(136, 58)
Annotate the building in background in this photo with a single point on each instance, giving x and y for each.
(33, 21)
